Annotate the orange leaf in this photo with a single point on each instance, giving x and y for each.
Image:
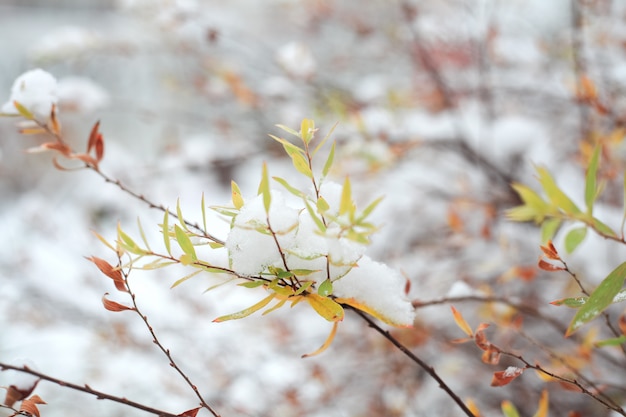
(113, 305)
(30, 405)
(110, 271)
(88, 159)
(93, 136)
(547, 266)
(326, 344)
(502, 378)
(460, 321)
(190, 413)
(56, 127)
(491, 355)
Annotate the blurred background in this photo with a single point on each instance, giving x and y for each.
(439, 106)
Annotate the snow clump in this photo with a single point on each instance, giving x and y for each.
(36, 90)
(252, 251)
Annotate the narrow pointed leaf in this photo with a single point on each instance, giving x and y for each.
(301, 164)
(23, 111)
(509, 410)
(591, 179)
(600, 299)
(236, 195)
(329, 161)
(184, 242)
(113, 305)
(307, 130)
(246, 312)
(143, 235)
(179, 214)
(166, 232)
(345, 204)
(543, 409)
(110, 271)
(203, 213)
(185, 278)
(319, 145)
(327, 343)
(616, 341)
(460, 321)
(264, 189)
(290, 188)
(549, 228)
(554, 193)
(93, 136)
(288, 130)
(318, 222)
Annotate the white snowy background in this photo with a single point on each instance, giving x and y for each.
(186, 92)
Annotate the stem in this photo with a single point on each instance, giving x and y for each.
(166, 351)
(429, 369)
(86, 389)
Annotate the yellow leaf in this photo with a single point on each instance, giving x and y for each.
(246, 312)
(326, 344)
(236, 195)
(542, 411)
(367, 309)
(325, 307)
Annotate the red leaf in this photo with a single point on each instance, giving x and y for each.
(502, 378)
(110, 271)
(547, 266)
(93, 136)
(190, 413)
(491, 355)
(114, 305)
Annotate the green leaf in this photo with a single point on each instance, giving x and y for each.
(23, 111)
(246, 312)
(591, 179)
(329, 161)
(236, 195)
(368, 210)
(289, 188)
(319, 146)
(600, 299)
(289, 147)
(325, 307)
(301, 164)
(602, 228)
(554, 193)
(509, 410)
(574, 238)
(322, 205)
(264, 189)
(166, 231)
(252, 284)
(288, 130)
(611, 342)
(326, 288)
(185, 243)
(345, 204)
(549, 228)
(143, 235)
(179, 214)
(307, 130)
(574, 302)
(275, 307)
(305, 286)
(318, 222)
(127, 243)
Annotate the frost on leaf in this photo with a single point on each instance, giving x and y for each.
(502, 378)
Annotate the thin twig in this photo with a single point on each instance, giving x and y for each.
(86, 389)
(429, 369)
(166, 351)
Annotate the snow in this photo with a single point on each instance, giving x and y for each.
(81, 94)
(36, 90)
(297, 59)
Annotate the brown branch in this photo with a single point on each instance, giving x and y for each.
(429, 369)
(166, 351)
(87, 390)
